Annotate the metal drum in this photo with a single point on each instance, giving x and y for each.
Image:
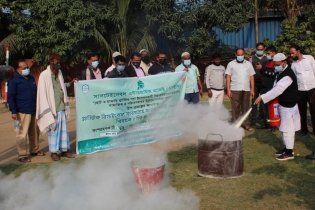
(6, 73)
(220, 159)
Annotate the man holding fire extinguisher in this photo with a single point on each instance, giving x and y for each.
(286, 89)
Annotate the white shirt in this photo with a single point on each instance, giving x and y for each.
(192, 77)
(109, 69)
(305, 72)
(240, 75)
(214, 76)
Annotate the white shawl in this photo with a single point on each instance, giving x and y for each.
(45, 105)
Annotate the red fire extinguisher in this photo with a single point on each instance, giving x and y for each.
(274, 115)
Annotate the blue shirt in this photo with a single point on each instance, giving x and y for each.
(22, 94)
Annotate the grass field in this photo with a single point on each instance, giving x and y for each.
(267, 183)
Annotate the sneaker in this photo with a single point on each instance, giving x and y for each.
(281, 152)
(285, 157)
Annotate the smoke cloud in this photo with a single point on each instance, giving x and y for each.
(97, 183)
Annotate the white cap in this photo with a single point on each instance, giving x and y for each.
(279, 57)
(115, 54)
(143, 50)
(185, 53)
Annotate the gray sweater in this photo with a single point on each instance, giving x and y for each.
(215, 77)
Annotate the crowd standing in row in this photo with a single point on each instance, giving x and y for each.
(263, 77)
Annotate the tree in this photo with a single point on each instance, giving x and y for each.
(128, 30)
(191, 22)
(66, 27)
(291, 36)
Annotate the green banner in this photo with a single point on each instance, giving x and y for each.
(120, 112)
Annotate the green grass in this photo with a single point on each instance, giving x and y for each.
(267, 183)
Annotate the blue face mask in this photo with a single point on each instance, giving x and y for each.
(25, 72)
(278, 69)
(240, 58)
(120, 68)
(187, 62)
(95, 64)
(259, 53)
(269, 57)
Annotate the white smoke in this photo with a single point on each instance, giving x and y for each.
(97, 183)
(106, 181)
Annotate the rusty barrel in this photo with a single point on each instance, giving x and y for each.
(148, 173)
(219, 158)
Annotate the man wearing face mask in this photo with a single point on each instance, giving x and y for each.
(160, 66)
(113, 63)
(286, 90)
(240, 85)
(92, 71)
(192, 77)
(119, 70)
(258, 61)
(214, 76)
(304, 68)
(52, 108)
(22, 102)
(134, 69)
(267, 81)
(145, 61)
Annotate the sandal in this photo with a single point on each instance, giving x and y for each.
(24, 160)
(54, 157)
(38, 153)
(67, 154)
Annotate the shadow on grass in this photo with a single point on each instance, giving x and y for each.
(297, 183)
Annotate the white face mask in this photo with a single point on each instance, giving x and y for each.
(95, 64)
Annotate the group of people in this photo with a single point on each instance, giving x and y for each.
(265, 76)
(42, 108)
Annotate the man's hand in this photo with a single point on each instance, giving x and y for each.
(73, 80)
(15, 117)
(258, 66)
(209, 93)
(185, 69)
(229, 94)
(258, 100)
(252, 94)
(200, 92)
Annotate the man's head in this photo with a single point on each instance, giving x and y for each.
(92, 60)
(114, 55)
(145, 56)
(136, 59)
(295, 52)
(240, 52)
(186, 59)
(260, 48)
(216, 59)
(54, 62)
(271, 51)
(23, 68)
(161, 58)
(120, 62)
(280, 62)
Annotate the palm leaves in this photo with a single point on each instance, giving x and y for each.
(127, 34)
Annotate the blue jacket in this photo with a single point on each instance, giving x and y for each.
(22, 94)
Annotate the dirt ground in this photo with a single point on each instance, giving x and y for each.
(8, 151)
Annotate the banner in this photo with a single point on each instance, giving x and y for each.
(120, 112)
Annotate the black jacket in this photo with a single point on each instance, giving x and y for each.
(83, 74)
(116, 74)
(131, 71)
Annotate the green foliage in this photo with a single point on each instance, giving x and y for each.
(291, 36)
(175, 20)
(65, 27)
